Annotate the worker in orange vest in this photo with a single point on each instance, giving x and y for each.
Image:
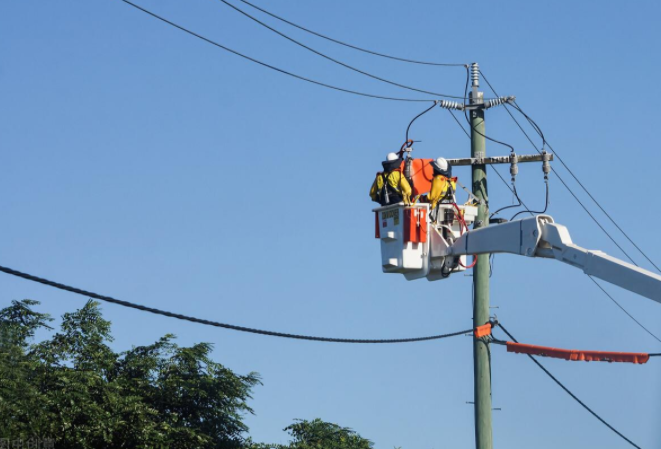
(390, 186)
(443, 185)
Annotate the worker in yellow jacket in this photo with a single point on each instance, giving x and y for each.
(443, 184)
(390, 186)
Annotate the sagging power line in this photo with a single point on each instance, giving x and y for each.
(269, 66)
(545, 143)
(354, 47)
(573, 396)
(336, 61)
(581, 184)
(205, 322)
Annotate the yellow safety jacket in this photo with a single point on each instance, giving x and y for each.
(441, 187)
(396, 182)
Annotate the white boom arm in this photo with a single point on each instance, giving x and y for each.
(540, 237)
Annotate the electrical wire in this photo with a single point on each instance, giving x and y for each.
(345, 65)
(516, 195)
(546, 204)
(576, 198)
(570, 393)
(285, 72)
(178, 316)
(364, 50)
(612, 220)
(559, 177)
(415, 118)
(490, 165)
(623, 309)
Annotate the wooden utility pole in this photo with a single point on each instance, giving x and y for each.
(481, 359)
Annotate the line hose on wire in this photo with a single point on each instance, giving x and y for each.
(178, 316)
(573, 396)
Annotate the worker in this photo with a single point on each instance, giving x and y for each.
(390, 186)
(443, 184)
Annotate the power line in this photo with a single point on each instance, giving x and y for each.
(624, 310)
(578, 200)
(178, 316)
(364, 50)
(318, 83)
(518, 108)
(570, 393)
(560, 178)
(345, 65)
(408, 128)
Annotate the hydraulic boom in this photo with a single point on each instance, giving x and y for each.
(539, 236)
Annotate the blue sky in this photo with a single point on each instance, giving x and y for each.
(142, 163)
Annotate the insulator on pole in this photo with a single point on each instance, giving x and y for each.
(475, 75)
(546, 165)
(497, 102)
(447, 104)
(514, 165)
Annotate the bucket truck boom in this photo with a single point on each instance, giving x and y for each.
(540, 236)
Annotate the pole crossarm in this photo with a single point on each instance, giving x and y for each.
(499, 159)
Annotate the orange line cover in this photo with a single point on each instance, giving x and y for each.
(481, 331)
(575, 354)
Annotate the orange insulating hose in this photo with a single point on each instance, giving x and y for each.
(575, 354)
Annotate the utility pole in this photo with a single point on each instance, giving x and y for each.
(481, 359)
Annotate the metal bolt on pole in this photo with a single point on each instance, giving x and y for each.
(481, 359)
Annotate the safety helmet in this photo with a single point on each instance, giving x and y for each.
(440, 164)
(392, 157)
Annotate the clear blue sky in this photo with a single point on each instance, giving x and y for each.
(142, 163)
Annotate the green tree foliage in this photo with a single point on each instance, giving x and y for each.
(72, 388)
(318, 434)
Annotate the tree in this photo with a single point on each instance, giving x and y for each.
(318, 434)
(73, 389)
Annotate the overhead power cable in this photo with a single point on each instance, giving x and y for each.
(178, 316)
(309, 80)
(560, 177)
(612, 220)
(572, 394)
(408, 128)
(345, 65)
(624, 310)
(355, 47)
(578, 200)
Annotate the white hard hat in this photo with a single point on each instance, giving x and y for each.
(440, 164)
(392, 157)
